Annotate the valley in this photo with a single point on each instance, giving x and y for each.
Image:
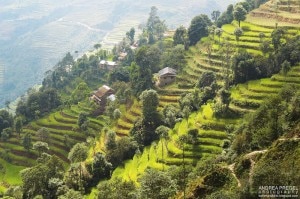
(34, 36)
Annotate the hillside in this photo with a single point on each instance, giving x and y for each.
(35, 35)
(216, 132)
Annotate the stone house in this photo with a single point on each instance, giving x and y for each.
(166, 76)
(109, 65)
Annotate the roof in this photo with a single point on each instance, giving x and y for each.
(112, 97)
(102, 91)
(111, 63)
(167, 70)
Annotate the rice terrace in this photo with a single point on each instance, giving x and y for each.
(206, 110)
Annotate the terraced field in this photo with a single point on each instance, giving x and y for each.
(63, 134)
(283, 12)
(212, 132)
(126, 122)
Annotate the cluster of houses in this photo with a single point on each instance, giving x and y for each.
(166, 76)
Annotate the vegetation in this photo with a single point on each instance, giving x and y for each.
(213, 133)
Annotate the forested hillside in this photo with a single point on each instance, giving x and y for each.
(211, 110)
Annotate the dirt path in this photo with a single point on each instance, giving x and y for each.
(231, 168)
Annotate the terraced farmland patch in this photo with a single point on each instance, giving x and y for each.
(127, 120)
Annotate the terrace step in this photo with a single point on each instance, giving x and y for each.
(240, 110)
(245, 103)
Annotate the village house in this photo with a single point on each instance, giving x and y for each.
(122, 56)
(102, 94)
(166, 76)
(109, 65)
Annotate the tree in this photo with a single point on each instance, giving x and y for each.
(82, 119)
(219, 32)
(71, 194)
(148, 57)
(117, 114)
(40, 147)
(43, 135)
(7, 103)
(19, 125)
(243, 67)
(155, 27)
(174, 58)
(81, 92)
(130, 35)
(180, 36)
(207, 79)
(211, 31)
(97, 46)
(36, 179)
(261, 36)
(169, 115)
(215, 15)
(110, 142)
(100, 168)
(156, 184)
(182, 140)
(225, 97)
(27, 141)
(239, 13)
(208, 46)
(285, 67)
(238, 32)
(125, 149)
(116, 189)
(78, 154)
(198, 28)
(226, 17)
(6, 120)
(4, 135)
(265, 47)
(277, 36)
(140, 78)
(150, 103)
(162, 131)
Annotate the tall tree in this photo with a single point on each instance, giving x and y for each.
(239, 13)
(162, 131)
(19, 125)
(40, 147)
(155, 27)
(130, 35)
(174, 58)
(277, 37)
(215, 15)
(77, 155)
(238, 32)
(36, 179)
(198, 28)
(43, 135)
(27, 142)
(180, 36)
(140, 78)
(148, 57)
(285, 67)
(219, 32)
(156, 184)
(150, 103)
(117, 188)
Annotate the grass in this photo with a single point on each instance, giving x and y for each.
(11, 175)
